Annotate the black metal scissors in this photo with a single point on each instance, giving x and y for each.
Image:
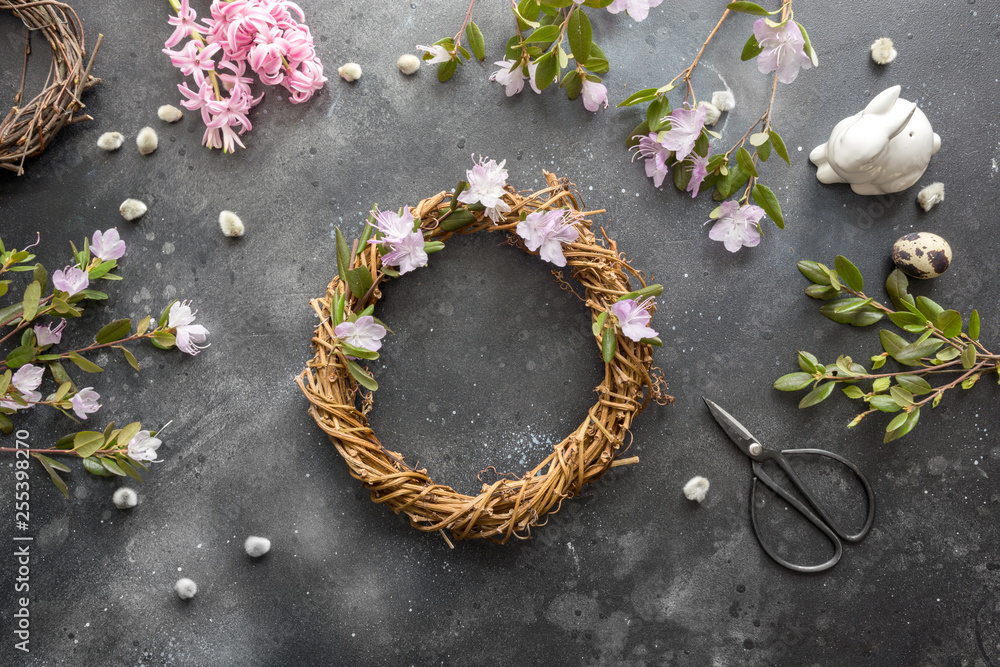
(814, 512)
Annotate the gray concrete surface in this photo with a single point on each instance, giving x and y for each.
(491, 363)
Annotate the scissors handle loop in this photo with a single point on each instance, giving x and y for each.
(814, 512)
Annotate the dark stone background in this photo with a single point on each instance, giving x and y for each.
(492, 363)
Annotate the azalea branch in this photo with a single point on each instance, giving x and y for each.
(686, 74)
(457, 39)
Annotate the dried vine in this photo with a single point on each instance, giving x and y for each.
(28, 129)
(507, 507)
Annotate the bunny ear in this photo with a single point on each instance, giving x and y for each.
(884, 100)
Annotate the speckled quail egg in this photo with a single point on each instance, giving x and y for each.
(922, 255)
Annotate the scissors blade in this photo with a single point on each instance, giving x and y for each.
(736, 431)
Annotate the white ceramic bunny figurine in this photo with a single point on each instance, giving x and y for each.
(884, 148)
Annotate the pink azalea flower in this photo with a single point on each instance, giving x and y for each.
(394, 227)
(188, 335)
(594, 95)
(407, 253)
(514, 78)
(546, 231)
(440, 54)
(655, 156)
(637, 9)
(185, 23)
(633, 318)
(699, 170)
(143, 446)
(25, 380)
(47, 335)
(85, 402)
(71, 280)
(486, 186)
(685, 128)
(737, 225)
(784, 49)
(364, 333)
(108, 245)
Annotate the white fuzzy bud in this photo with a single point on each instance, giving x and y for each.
(408, 63)
(696, 488)
(723, 100)
(712, 113)
(931, 196)
(110, 141)
(883, 52)
(169, 113)
(147, 140)
(125, 498)
(132, 209)
(257, 546)
(231, 224)
(349, 71)
(185, 588)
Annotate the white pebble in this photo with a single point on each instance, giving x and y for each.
(257, 546)
(169, 113)
(147, 140)
(185, 588)
(132, 209)
(723, 100)
(696, 488)
(111, 141)
(712, 113)
(931, 196)
(125, 498)
(883, 52)
(231, 224)
(350, 71)
(408, 63)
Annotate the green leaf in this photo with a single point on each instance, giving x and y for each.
(116, 330)
(906, 319)
(50, 465)
(929, 308)
(881, 384)
(597, 326)
(90, 294)
(5, 382)
(361, 377)
(911, 420)
(779, 146)
(609, 344)
(476, 41)
(359, 279)
(897, 421)
(896, 285)
(656, 289)
(853, 392)
(758, 138)
(731, 182)
(950, 323)
(543, 35)
(95, 468)
(20, 356)
(359, 352)
(6, 425)
(914, 352)
(56, 465)
(914, 384)
(446, 69)
(658, 114)
(751, 49)
(884, 403)
(111, 466)
(127, 468)
(848, 273)
(948, 353)
(823, 292)
(163, 340)
(807, 362)
(580, 35)
(974, 325)
(165, 315)
(573, 84)
(83, 364)
(654, 341)
(59, 373)
(793, 381)
(763, 151)
(807, 45)
(817, 395)
(814, 271)
(30, 303)
(644, 95)
(878, 361)
(546, 71)
(343, 255)
(745, 161)
(748, 8)
(457, 220)
(864, 316)
(969, 356)
(902, 397)
(86, 443)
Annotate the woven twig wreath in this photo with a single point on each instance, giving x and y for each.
(28, 129)
(507, 507)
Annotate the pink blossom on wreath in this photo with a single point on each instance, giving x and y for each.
(486, 187)
(394, 227)
(547, 231)
(407, 253)
(71, 280)
(737, 225)
(364, 333)
(633, 318)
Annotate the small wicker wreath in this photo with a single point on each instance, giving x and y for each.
(28, 129)
(507, 507)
